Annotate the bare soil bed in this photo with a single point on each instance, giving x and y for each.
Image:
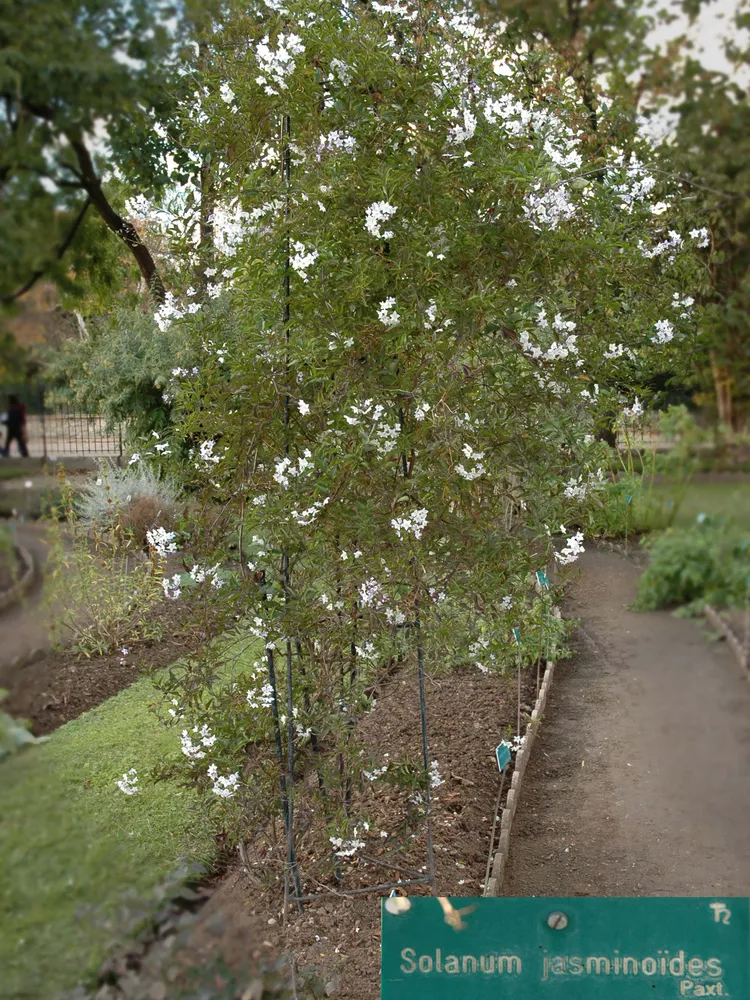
(63, 685)
(339, 935)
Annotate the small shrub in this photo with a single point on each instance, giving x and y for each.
(693, 566)
(103, 593)
(135, 495)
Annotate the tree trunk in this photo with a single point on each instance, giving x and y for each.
(723, 388)
(114, 221)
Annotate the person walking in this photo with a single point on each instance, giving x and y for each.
(15, 422)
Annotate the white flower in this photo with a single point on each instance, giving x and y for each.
(387, 313)
(507, 603)
(162, 541)
(375, 215)
(28, 484)
(573, 548)
(227, 95)
(635, 410)
(436, 780)
(302, 260)
(276, 65)
(664, 332)
(223, 787)
(421, 411)
(701, 235)
(478, 469)
(659, 208)
(548, 209)
(172, 588)
(207, 453)
(413, 523)
(135, 457)
(303, 407)
(128, 784)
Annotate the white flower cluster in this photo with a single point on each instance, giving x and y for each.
(211, 573)
(395, 616)
(168, 311)
(194, 751)
(383, 433)
(128, 784)
(558, 350)
(387, 313)
(514, 744)
(375, 215)
(206, 453)
(305, 517)
(701, 236)
(636, 410)
(226, 93)
(560, 141)
(618, 351)
(436, 779)
(465, 129)
(276, 65)
(507, 603)
(302, 260)
(262, 698)
(377, 772)
(664, 332)
(371, 592)
(162, 541)
(669, 246)
(421, 410)
(478, 468)
(546, 210)
(411, 524)
(337, 141)
(176, 712)
(346, 848)
(629, 180)
(686, 304)
(172, 588)
(223, 787)
(478, 649)
(285, 469)
(579, 488)
(573, 549)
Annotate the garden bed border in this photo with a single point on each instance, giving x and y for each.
(717, 622)
(495, 882)
(21, 586)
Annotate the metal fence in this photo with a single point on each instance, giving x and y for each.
(56, 430)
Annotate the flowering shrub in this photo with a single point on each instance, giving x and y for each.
(441, 273)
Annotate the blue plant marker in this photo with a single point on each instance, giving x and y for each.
(517, 635)
(628, 499)
(542, 580)
(502, 754)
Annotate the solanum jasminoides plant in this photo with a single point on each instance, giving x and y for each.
(445, 276)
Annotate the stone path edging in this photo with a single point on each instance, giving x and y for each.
(717, 622)
(495, 883)
(20, 587)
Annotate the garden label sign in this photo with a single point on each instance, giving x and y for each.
(567, 949)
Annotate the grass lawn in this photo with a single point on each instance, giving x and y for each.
(727, 499)
(73, 848)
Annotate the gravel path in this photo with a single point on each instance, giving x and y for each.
(640, 781)
(25, 626)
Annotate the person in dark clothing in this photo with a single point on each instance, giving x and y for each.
(15, 422)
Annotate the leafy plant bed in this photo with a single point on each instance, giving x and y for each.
(76, 850)
(338, 935)
(63, 685)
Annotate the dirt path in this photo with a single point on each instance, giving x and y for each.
(640, 782)
(25, 626)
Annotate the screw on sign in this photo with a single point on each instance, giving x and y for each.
(565, 948)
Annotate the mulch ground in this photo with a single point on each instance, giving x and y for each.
(339, 935)
(63, 685)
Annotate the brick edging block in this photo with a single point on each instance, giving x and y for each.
(495, 883)
(733, 642)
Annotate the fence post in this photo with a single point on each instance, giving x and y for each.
(44, 426)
